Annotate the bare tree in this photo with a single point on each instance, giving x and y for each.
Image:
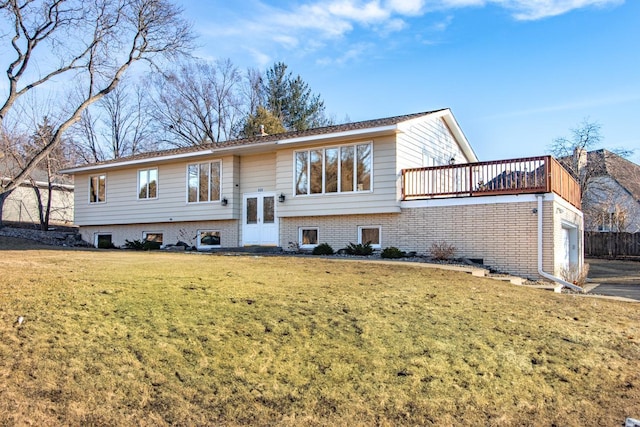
(115, 126)
(198, 103)
(572, 152)
(84, 44)
(87, 138)
(57, 159)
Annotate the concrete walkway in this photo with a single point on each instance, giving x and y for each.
(615, 278)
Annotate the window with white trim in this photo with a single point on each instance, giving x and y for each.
(98, 189)
(369, 234)
(203, 182)
(152, 237)
(148, 183)
(103, 240)
(208, 239)
(308, 237)
(343, 169)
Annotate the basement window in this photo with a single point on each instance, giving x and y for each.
(152, 237)
(308, 237)
(208, 239)
(103, 241)
(369, 234)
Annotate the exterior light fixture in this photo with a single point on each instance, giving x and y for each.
(224, 201)
(281, 198)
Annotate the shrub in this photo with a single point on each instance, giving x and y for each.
(359, 249)
(442, 250)
(294, 247)
(322, 249)
(151, 246)
(141, 245)
(574, 274)
(106, 245)
(136, 245)
(392, 252)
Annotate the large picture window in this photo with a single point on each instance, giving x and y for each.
(148, 184)
(203, 180)
(341, 169)
(98, 189)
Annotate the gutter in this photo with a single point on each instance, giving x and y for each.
(561, 283)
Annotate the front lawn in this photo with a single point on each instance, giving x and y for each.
(148, 338)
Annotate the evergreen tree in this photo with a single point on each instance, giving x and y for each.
(262, 117)
(291, 100)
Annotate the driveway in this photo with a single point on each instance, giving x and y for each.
(615, 278)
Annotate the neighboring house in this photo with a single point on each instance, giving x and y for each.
(22, 205)
(403, 181)
(611, 200)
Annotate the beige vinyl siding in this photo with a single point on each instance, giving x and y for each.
(383, 198)
(122, 205)
(428, 139)
(258, 173)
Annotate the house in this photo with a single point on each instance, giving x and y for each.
(22, 205)
(407, 181)
(611, 199)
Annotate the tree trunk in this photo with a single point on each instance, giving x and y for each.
(47, 212)
(3, 198)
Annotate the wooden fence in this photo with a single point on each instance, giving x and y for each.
(611, 244)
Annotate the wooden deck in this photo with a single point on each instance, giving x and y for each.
(529, 175)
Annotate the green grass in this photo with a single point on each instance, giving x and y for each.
(126, 338)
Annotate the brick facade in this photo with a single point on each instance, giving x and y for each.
(503, 234)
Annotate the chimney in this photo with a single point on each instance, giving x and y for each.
(579, 159)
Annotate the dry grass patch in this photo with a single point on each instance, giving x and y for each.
(122, 338)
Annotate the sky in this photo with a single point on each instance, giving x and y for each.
(517, 74)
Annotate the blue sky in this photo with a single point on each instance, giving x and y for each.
(516, 73)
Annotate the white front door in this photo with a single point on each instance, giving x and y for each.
(259, 222)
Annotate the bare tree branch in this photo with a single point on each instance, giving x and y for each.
(93, 42)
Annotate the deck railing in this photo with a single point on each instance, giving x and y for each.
(515, 176)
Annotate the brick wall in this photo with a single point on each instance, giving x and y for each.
(172, 232)
(504, 235)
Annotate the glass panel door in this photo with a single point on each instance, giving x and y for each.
(260, 223)
(268, 209)
(252, 210)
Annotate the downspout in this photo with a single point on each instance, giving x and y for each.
(561, 283)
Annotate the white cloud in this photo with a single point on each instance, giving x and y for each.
(262, 59)
(353, 53)
(314, 23)
(539, 9)
(406, 7)
(575, 105)
(364, 13)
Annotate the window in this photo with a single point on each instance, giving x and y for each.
(98, 189)
(308, 237)
(103, 241)
(611, 221)
(203, 181)
(334, 170)
(208, 239)
(152, 237)
(148, 184)
(369, 235)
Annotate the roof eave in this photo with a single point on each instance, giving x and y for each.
(341, 135)
(157, 159)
